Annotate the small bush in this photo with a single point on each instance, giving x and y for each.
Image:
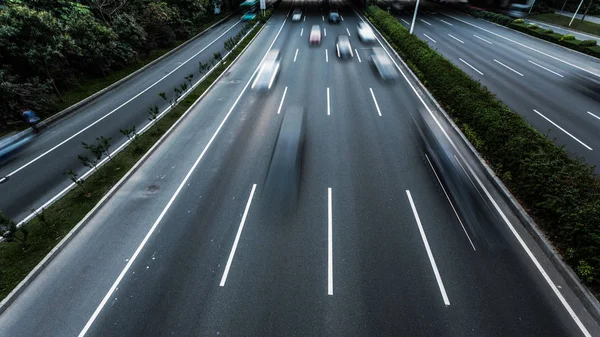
(533, 26)
(588, 43)
(548, 31)
(518, 21)
(567, 37)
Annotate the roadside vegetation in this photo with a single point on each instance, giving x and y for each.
(54, 53)
(561, 20)
(587, 46)
(24, 247)
(561, 193)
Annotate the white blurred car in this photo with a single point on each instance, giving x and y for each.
(343, 47)
(268, 71)
(365, 33)
(297, 14)
(383, 65)
(315, 35)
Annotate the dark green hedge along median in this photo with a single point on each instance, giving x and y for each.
(18, 258)
(561, 193)
(588, 46)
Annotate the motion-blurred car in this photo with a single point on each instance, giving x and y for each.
(248, 16)
(343, 47)
(297, 14)
(268, 71)
(285, 169)
(365, 33)
(334, 17)
(315, 35)
(14, 143)
(383, 65)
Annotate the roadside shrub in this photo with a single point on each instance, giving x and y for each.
(548, 31)
(518, 21)
(588, 43)
(533, 26)
(561, 193)
(567, 37)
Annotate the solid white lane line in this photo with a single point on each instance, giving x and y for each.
(593, 115)
(405, 21)
(470, 66)
(427, 36)
(552, 71)
(428, 249)
(119, 107)
(425, 22)
(296, 55)
(326, 56)
(446, 22)
(328, 109)
(282, 99)
(563, 130)
(507, 67)
(482, 39)
(455, 38)
(301, 31)
(348, 32)
(170, 202)
(450, 201)
(237, 237)
(358, 56)
(324, 31)
(329, 244)
(539, 267)
(375, 101)
(524, 46)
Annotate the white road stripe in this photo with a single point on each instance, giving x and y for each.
(552, 71)
(170, 202)
(324, 31)
(593, 115)
(533, 259)
(348, 32)
(507, 67)
(455, 38)
(119, 107)
(282, 99)
(482, 39)
(301, 31)
(358, 56)
(405, 21)
(427, 36)
(328, 106)
(237, 237)
(326, 56)
(446, 22)
(563, 130)
(375, 101)
(329, 243)
(296, 55)
(463, 61)
(428, 249)
(450, 201)
(341, 17)
(304, 18)
(322, 17)
(425, 22)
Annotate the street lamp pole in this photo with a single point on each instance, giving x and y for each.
(573, 18)
(412, 26)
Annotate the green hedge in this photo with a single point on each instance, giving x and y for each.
(561, 193)
(564, 40)
(490, 16)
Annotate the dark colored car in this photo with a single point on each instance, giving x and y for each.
(343, 47)
(334, 17)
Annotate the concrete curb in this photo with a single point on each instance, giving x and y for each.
(589, 301)
(14, 294)
(52, 119)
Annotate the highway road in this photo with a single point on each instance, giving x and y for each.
(36, 174)
(555, 89)
(191, 246)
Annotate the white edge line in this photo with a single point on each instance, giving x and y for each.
(455, 38)
(541, 66)
(482, 39)
(427, 36)
(120, 106)
(593, 115)
(375, 101)
(563, 130)
(328, 104)
(470, 66)
(164, 211)
(329, 243)
(428, 249)
(506, 221)
(282, 99)
(507, 67)
(237, 237)
(358, 56)
(451, 204)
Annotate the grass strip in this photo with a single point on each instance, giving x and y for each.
(561, 20)
(561, 193)
(49, 227)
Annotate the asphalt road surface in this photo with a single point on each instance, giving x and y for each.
(190, 245)
(555, 89)
(36, 174)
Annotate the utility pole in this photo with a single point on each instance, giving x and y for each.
(573, 18)
(412, 26)
(563, 7)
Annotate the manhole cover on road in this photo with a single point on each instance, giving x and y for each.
(3, 180)
(152, 189)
